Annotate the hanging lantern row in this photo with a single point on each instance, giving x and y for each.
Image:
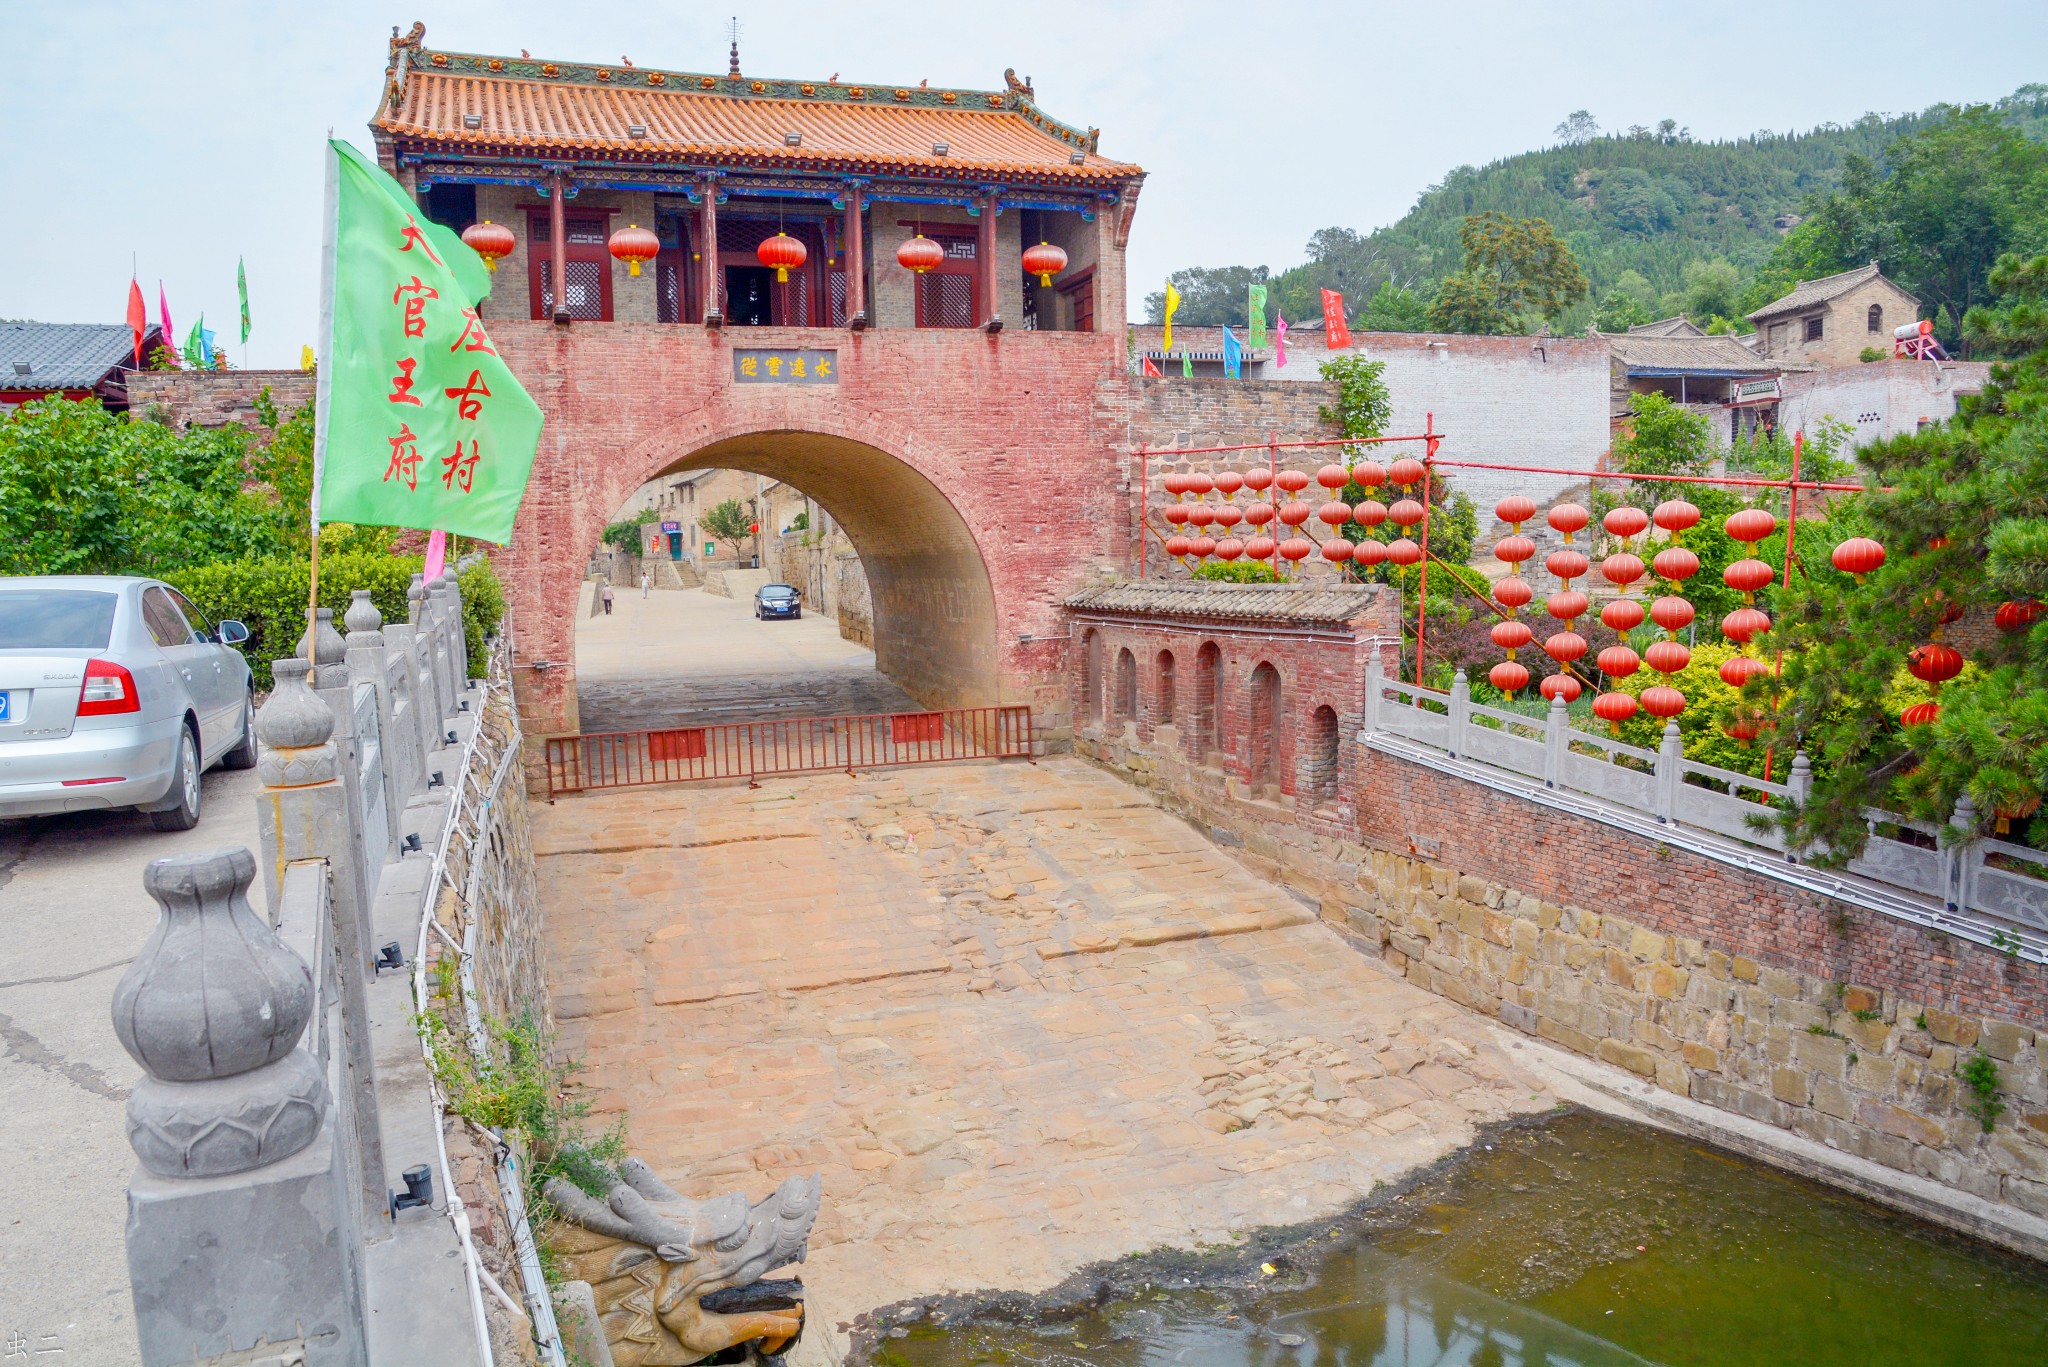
(1406, 513)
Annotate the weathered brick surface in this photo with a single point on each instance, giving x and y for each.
(215, 398)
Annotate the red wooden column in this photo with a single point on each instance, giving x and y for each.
(991, 319)
(558, 230)
(714, 316)
(856, 261)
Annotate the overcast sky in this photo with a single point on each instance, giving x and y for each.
(188, 134)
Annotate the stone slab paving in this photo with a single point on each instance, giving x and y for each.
(691, 658)
(1019, 1018)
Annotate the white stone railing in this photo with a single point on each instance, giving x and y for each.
(1965, 888)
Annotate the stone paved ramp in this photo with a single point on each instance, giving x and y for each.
(1020, 1019)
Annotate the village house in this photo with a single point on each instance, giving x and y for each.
(1831, 321)
(1715, 376)
(75, 360)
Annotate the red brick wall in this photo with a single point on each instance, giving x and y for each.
(1549, 854)
(215, 398)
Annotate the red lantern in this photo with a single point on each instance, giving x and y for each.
(1662, 701)
(490, 241)
(1565, 646)
(1747, 576)
(1622, 614)
(1566, 564)
(1511, 635)
(1561, 685)
(1744, 726)
(1667, 657)
(1229, 548)
(1934, 663)
(1200, 484)
(1750, 524)
(1672, 613)
(1859, 555)
(1178, 545)
(1297, 548)
(1259, 514)
(2017, 616)
(1259, 547)
(1568, 518)
(1229, 482)
(1176, 484)
(1337, 549)
(633, 244)
(1508, 677)
(1738, 670)
(1675, 563)
(1258, 480)
(1229, 515)
(1177, 513)
(1369, 474)
(1618, 662)
(781, 252)
(1295, 513)
(1621, 570)
(1513, 593)
(1407, 513)
(1044, 261)
(920, 254)
(1566, 606)
(1333, 476)
(1334, 513)
(1625, 522)
(1614, 709)
(1293, 481)
(1404, 552)
(1675, 515)
(1515, 510)
(1920, 714)
(1201, 514)
(1744, 624)
(1370, 513)
(1201, 547)
(1368, 552)
(1514, 549)
(1406, 471)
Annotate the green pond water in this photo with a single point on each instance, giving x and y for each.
(1580, 1243)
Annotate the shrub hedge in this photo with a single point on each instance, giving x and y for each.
(269, 596)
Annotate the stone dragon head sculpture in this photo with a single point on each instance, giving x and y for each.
(653, 1258)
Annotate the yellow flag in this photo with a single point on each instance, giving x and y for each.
(1172, 303)
(306, 361)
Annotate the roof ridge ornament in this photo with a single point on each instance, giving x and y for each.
(733, 60)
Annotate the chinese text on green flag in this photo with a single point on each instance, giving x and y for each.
(421, 423)
(1255, 309)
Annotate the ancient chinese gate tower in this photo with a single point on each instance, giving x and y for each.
(964, 421)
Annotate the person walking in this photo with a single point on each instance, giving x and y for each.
(646, 583)
(607, 592)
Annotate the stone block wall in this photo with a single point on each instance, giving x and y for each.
(215, 398)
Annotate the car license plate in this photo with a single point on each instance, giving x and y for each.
(3, 707)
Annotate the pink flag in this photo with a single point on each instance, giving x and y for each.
(1280, 343)
(138, 318)
(163, 313)
(437, 555)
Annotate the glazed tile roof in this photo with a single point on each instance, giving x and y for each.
(1300, 601)
(1812, 293)
(1644, 354)
(1677, 325)
(65, 355)
(531, 106)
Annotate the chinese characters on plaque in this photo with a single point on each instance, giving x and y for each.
(777, 365)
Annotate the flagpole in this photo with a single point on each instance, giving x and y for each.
(322, 365)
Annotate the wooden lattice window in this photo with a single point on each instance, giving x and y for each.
(949, 295)
(589, 293)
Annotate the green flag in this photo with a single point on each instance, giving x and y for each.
(1187, 365)
(195, 349)
(420, 423)
(242, 287)
(1256, 307)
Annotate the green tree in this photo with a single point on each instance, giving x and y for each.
(1394, 308)
(729, 522)
(624, 535)
(1513, 268)
(1713, 292)
(1209, 296)
(1619, 311)
(1964, 524)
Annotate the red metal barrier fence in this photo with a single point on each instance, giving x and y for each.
(751, 750)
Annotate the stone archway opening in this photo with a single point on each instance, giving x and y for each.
(917, 605)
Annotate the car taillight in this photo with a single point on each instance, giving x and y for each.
(108, 689)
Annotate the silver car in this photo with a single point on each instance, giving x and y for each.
(116, 692)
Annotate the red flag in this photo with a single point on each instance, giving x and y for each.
(1151, 369)
(138, 318)
(1336, 332)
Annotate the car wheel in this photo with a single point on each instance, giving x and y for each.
(243, 756)
(798, 614)
(184, 786)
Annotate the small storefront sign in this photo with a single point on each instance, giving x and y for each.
(780, 365)
(671, 526)
(1757, 391)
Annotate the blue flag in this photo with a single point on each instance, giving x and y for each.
(206, 345)
(1233, 355)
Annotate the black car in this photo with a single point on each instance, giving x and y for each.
(777, 600)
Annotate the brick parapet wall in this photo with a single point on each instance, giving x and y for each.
(215, 398)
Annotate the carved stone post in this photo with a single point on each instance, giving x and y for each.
(458, 639)
(1557, 742)
(1461, 712)
(304, 813)
(1799, 782)
(1373, 678)
(1958, 860)
(1670, 759)
(241, 1226)
(367, 665)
